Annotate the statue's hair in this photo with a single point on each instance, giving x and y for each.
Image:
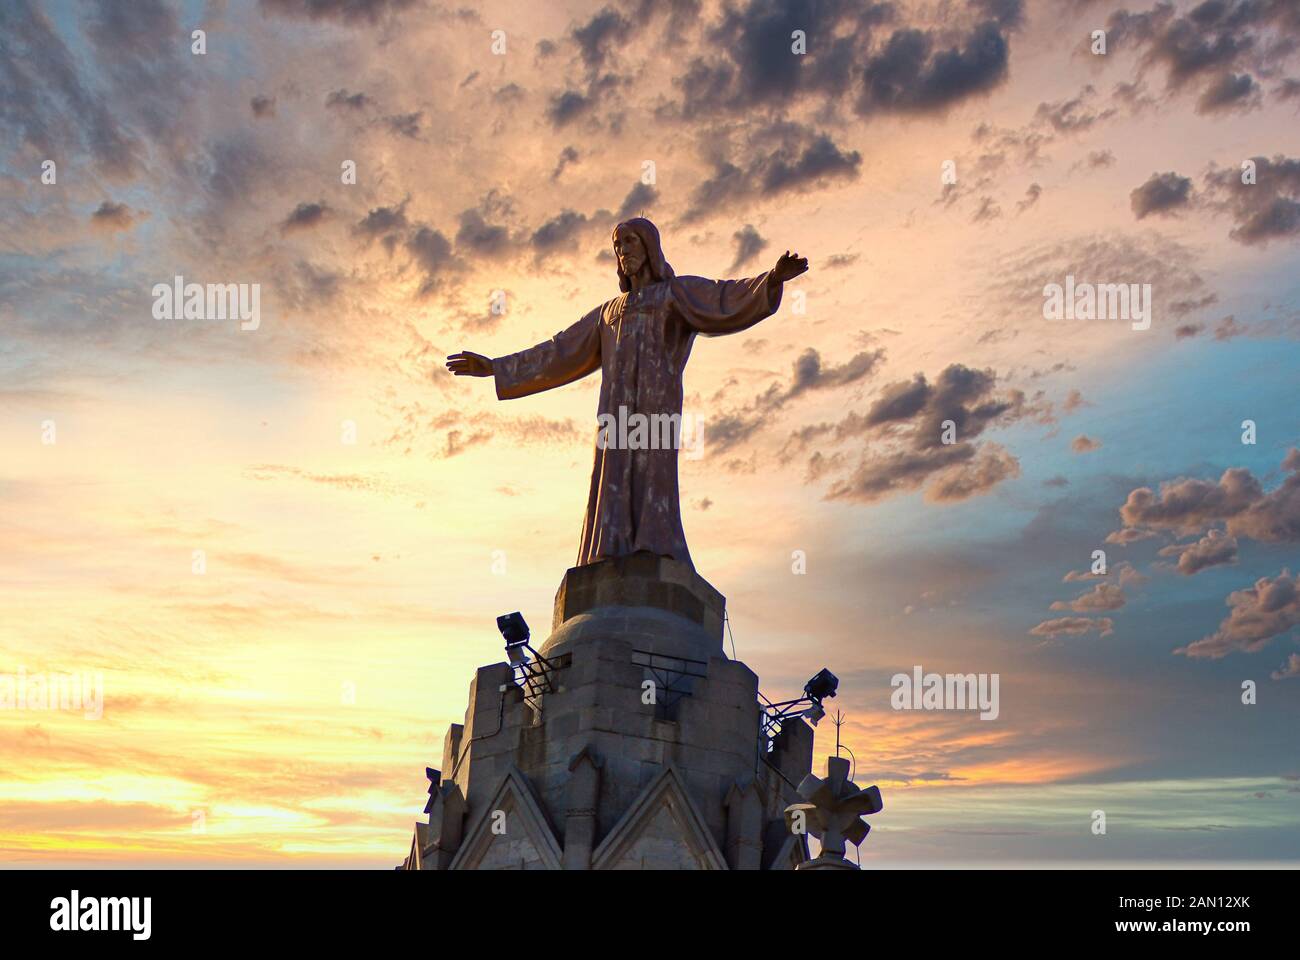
(649, 234)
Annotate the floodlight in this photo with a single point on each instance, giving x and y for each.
(513, 628)
(821, 686)
(814, 713)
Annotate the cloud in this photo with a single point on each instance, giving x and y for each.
(342, 100)
(1237, 500)
(1032, 193)
(1269, 208)
(1073, 115)
(637, 202)
(1084, 444)
(808, 374)
(348, 12)
(1287, 671)
(111, 217)
(304, 217)
(1163, 193)
(558, 232)
(1228, 92)
(1212, 550)
(1103, 596)
(404, 124)
(781, 158)
(749, 244)
(262, 106)
(478, 237)
(1074, 627)
(431, 251)
(568, 157)
(1213, 47)
(596, 38)
(1259, 614)
(910, 76)
(384, 224)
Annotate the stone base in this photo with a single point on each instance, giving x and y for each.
(828, 863)
(657, 604)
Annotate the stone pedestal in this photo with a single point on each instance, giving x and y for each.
(641, 748)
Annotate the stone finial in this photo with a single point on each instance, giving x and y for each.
(435, 779)
(833, 811)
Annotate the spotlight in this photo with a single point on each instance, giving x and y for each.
(819, 687)
(514, 629)
(814, 713)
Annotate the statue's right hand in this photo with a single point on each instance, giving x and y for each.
(466, 364)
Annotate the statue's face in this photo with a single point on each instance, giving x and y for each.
(629, 250)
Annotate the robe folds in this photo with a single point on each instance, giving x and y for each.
(640, 342)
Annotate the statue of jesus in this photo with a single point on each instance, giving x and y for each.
(639, 341)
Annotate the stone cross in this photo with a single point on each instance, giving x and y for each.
(833, 810)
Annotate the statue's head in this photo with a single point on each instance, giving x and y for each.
(636, 245)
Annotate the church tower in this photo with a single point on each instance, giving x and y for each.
(629, 740)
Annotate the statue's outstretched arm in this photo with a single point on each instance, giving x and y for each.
(569, 355)
(717, 307)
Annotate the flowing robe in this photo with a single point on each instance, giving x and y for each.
(640, 342)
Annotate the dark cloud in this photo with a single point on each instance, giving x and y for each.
(599, 35)
(751, 58)
(749, 244)
(1237, 500)
(342, 100)
(558, 232)
(262, 106)
(1228, 92)
(431, 252)
(1212, 48)
(638, 202)
(112, 217)
(808, 374)
(385, 224)
(568, 156)
(1162, 193)
(910, 76)
(404, 124)
(1073, 115)
(783, 157)
(1212, 550)
(914, 416)
(1269, 208)
(340, 11)
(1258, 615)
(567, 106)
(475, 235)
(305, 216)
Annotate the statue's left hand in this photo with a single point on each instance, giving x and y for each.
(789, 266)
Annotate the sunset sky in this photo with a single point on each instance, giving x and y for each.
(280, 707)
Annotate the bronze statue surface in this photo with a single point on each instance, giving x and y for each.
(640, 341)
